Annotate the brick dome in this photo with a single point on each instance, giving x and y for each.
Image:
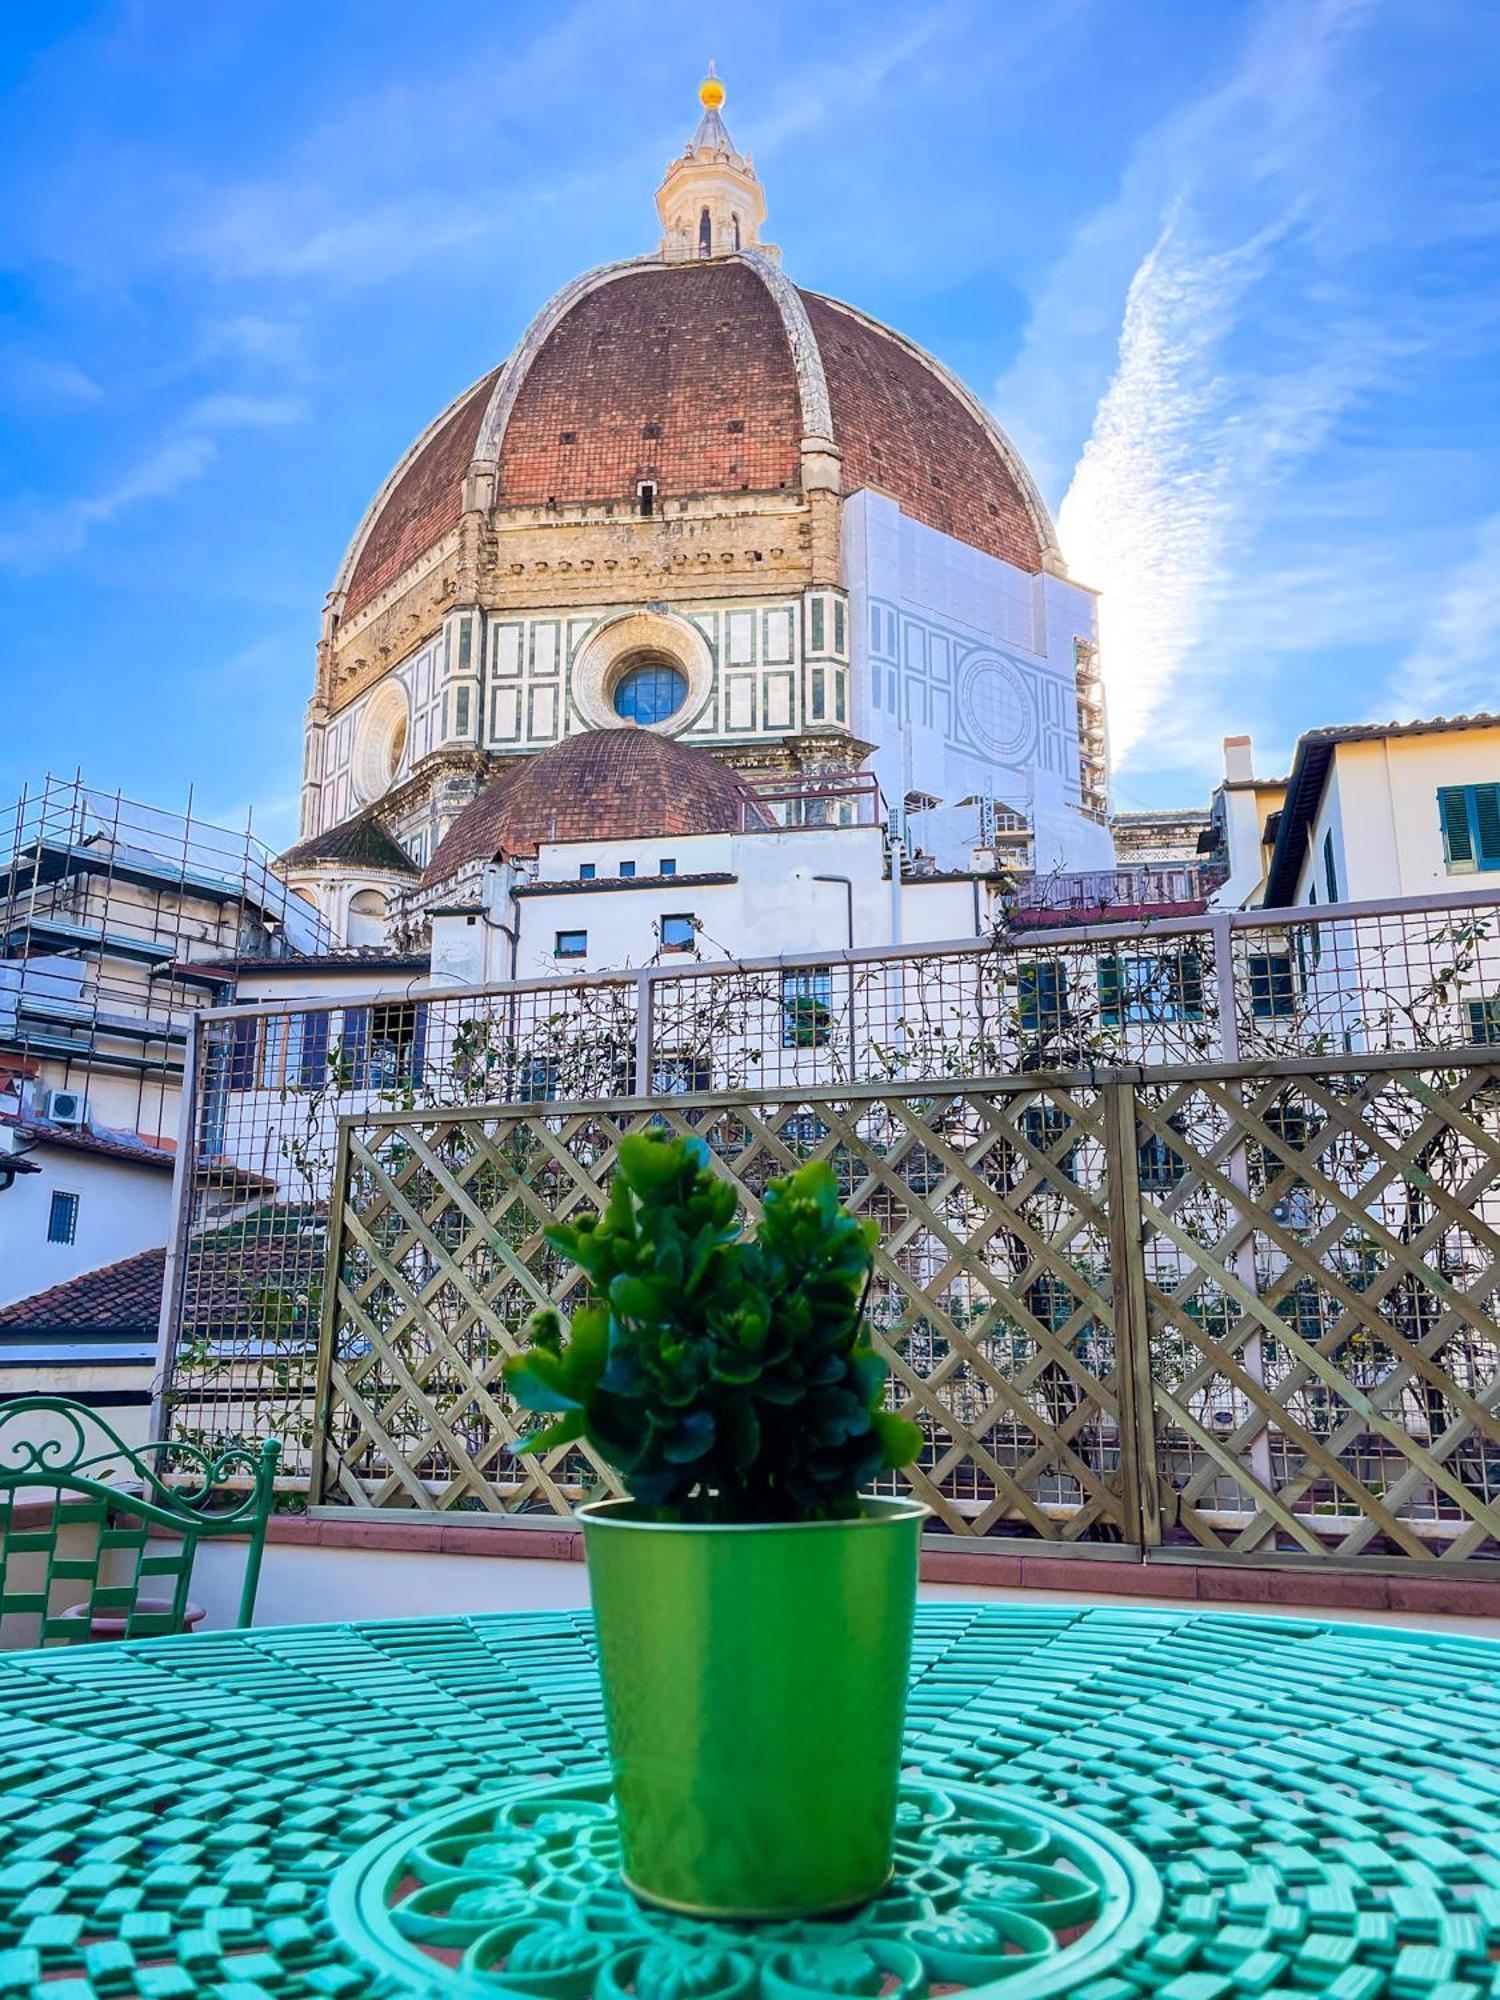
(606, 784)
(706, 377)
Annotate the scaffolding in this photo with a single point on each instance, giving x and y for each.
(116, 920)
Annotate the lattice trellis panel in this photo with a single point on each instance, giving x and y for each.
(1323, 1274)
(993, 1298)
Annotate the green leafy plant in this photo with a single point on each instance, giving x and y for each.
(725, 1378)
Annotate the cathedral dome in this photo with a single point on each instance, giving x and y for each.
(605, 784)
(713, 376)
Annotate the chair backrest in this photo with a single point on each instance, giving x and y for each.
(91, 1548)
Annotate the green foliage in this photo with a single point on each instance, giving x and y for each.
(725, 1379)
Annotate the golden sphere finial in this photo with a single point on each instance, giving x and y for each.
(710, 91)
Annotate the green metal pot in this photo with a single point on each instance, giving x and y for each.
(755, 1691)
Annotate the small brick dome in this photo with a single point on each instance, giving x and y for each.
(606, 784)
(704, 377)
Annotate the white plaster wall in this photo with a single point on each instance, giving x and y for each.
(776, 905)
(122, 1208)
(1381, 802)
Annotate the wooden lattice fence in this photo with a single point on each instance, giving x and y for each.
(1205, 1313)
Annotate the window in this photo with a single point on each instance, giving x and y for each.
(649, 692)
(736, 222)
(571, 944)
(672, 1075)
(382, 1046)
(293, 1051)
(666, 866)
(705, 235)
(679, 933)
(645, 494)
(1470, 818)
(1136, 990)
(272, 1049)
(1273, 989)
(311, 1065)
(365, 923)
(1160, 1165)
(239, 1068)
(62, 1218)
(1484, 1022)
(806, 1008)
(586, 871)
(627, 871)
(1042, 997)
(1330, 873)
(537, 1083)
(1044, 1126)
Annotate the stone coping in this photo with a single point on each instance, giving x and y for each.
(1007, 1568)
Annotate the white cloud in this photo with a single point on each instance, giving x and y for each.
(231, 412)
(43, 530)
(1455, 664)
(28, 380)
(1221, 225)
(47, 530)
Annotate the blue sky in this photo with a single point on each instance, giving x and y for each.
(1225, 269)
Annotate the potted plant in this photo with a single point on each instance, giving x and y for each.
(754, 1611)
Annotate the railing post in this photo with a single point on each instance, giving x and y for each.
(1140, 1508)
(183, 1177)
(645, 1033)
(328, 1318)
(1237, 1168)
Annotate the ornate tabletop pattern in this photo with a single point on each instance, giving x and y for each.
(1291, 1808)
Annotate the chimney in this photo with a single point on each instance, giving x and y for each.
(1239, 764)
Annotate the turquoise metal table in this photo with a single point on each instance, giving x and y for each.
(1100, 1803)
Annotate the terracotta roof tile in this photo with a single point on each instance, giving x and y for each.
(682, 373)
(643, 378)
(361, 841)
(607, 784)
(901, 428)
(127, 1294)
(425, 503)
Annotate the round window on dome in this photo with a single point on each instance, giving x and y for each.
(649, 692)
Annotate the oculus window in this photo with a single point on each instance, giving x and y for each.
(649, 692)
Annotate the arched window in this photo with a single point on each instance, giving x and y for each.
(705, 235)
(736, 221)
(366, 923)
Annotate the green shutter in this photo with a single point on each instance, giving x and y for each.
(1330, 874)
(1111, 992)
(1487, 823)
(1189, 982)
(1028, 999)
(1453, 810)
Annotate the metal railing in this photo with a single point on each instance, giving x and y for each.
(1217, 1313)
(269, 1084)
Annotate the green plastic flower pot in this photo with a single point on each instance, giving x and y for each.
(755, 1692)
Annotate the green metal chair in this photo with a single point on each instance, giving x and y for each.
(89, 1566)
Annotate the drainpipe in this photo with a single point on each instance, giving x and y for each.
(847, 885)
(842, 882)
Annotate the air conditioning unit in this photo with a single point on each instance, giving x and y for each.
(65, 1107)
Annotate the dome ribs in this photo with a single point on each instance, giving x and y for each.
(899, 427)
(425, 502)
(648, 372)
